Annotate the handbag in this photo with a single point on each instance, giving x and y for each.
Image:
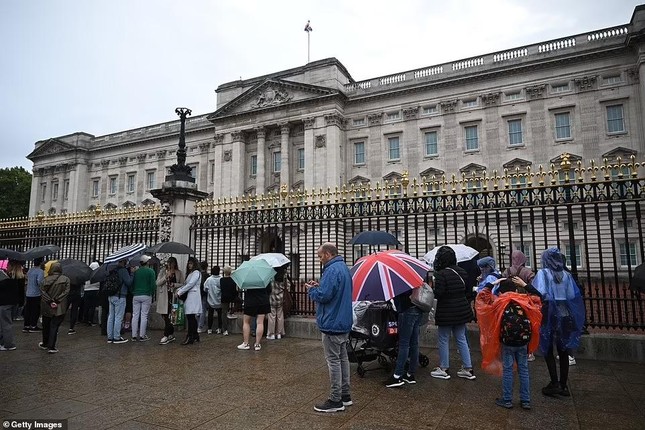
(183, 296)
(423, 298)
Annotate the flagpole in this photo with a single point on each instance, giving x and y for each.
(308, 45)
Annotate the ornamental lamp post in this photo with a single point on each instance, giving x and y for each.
(180, 171)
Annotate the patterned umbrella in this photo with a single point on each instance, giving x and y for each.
(125, 252)
(386, 274)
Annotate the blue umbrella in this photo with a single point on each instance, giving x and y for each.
(253, 274)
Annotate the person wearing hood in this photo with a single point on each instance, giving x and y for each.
(53, 304)
(563, 316)
(489, 273)
(518, 268)
(90, 300)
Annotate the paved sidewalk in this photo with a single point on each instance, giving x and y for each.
(212, 385)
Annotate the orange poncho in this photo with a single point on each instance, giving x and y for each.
(490, 309)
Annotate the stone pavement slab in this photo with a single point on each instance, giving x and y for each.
(212, 385)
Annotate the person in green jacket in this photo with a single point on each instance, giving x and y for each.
(144, 286)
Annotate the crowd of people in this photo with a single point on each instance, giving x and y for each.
(518, 311)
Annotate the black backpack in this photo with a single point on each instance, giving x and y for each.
(112, 284)
(516, 327)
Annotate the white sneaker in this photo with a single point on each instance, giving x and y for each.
(530, 357)
(257, 347)
(164, 340)
(438, 372)
(244, 346)
(209, 331)
(572, 361)
(199, 330)
(231, 316)
(218, 331)
(466, 373)
(278, 336)
(225, 332)
(270, 337)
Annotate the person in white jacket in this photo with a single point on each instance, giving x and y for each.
(193, 301)
(214, 298)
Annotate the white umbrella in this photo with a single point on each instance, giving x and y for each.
(463, 252)
(274, 259)
(125, 252)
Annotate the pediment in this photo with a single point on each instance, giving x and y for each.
(393, 176)
(49, 147)
(148, 202)
(272, 93)
(572, 158)
(359, 180)
(430, 172)
(297, 186)
(473, 167)
(517, 162)
(623, 153)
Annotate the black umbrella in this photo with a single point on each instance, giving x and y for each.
(100, 274)
(3, 275)
(170, 248)
(77, 271)
(41, 251)
(638, 280)
(11, 255)
(374, 238)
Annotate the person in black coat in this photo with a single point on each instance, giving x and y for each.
(453, 312)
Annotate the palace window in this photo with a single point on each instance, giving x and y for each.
(151, 180)
(560, 88)
(277, 162)
(66, 189)
(515, 132)
(392, 116)
(43, 191)
(95, 188)
(112, 183)
(430, 110)
(628, 254)
(615, 119)
(431, 147)
(359, 152)
(562, 126)
(470, 103)
(610, 80)
(131, 182)
(514, 96)
(472, 140)
(394, 150)
(301, 159)
(55, 191)
(570, 251)
(253, 162)
(193, 170)
(357, 122)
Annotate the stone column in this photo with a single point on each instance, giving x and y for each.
(237, 156)
(285, 173)
(334, 158)
(260, 177)
(309, 153)
(34, 198)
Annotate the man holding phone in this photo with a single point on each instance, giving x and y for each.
(333, 294)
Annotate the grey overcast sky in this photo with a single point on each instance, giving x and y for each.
(103, 66)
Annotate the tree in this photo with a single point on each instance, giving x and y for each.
(15, 185)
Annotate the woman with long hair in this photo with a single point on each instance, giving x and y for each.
(170, 277)
(229, 296)
(12, 293)
(193, 301)
(453, 312)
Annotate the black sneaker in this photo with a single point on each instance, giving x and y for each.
(330, 406)
(564, 391)
(119, 340)
(25, 330)
(409, 379)
(42, 346)
(52, 351)
(552, 389)
(71, 331)
(35, 329)
(503, 403)
(394, 382)
(347, 400)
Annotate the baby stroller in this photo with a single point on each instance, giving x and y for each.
(374, 336)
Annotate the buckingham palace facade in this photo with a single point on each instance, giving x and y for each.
(315, 127)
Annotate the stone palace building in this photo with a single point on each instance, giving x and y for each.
(314, 126)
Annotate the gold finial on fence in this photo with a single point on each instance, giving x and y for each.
(405, 181)
(415, 187)
(565, 165)
(633, 167)
(580, 171)
(606, 168)
(284, 191)
(98, 210)
(495, 180)
(40, 216)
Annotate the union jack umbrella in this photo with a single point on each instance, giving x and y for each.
(384, 275)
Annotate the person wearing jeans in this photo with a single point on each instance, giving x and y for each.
(519, 354)
(35, 278)
(144, 285)
(408, 330)
(452, 314)
(333, 296)
(117, 305)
